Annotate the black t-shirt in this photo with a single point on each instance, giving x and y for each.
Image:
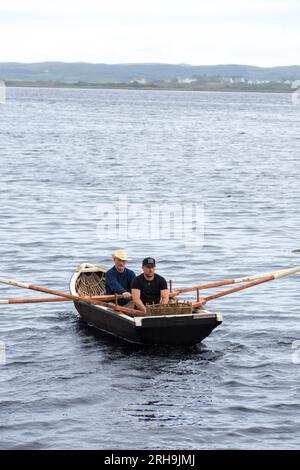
(150, 290)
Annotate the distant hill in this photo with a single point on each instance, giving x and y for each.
(95, 73)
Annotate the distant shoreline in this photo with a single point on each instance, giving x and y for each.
(221, 87)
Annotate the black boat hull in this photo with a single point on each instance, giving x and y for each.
(172, 330)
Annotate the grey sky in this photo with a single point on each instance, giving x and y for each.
(261, 33)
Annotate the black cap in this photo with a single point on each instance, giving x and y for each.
(149, 262)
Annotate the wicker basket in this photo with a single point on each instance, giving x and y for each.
(178, 308)
(90, 283)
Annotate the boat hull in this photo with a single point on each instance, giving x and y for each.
(172, 330)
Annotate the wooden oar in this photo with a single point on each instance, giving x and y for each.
(282, 272)
(89, 300)
(58, 299)
(95, 300)
(270, 277)
(30, 301)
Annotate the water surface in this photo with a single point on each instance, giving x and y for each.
(63, 154)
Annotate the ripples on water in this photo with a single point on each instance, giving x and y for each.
(64, 152)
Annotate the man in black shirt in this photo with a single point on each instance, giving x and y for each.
(149, 287)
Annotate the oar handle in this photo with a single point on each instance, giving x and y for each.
(11, 282)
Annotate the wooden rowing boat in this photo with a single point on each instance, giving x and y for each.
(174, 324)
(169, 329)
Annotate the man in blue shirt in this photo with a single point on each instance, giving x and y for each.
(118, 279)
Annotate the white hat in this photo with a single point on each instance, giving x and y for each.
(121, 254)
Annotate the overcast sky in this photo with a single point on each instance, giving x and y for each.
(257, 32)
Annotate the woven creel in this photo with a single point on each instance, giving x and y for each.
(91, 281)
(178, 308)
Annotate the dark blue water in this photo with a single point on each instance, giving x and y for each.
(65, 153)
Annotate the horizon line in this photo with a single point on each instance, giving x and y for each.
(183, 64)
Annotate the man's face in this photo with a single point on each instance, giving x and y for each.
(149, 270)
(120, 264)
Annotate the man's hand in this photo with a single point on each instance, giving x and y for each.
(136, 295)
(126, 295)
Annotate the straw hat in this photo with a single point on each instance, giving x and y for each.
(121, 254)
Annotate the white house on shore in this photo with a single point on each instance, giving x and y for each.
(186, 80)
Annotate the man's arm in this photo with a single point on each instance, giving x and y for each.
(132, 276)
(164, 295)
(164, 291)
(136, 296)
(113, 285)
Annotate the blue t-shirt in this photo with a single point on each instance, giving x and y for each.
(118, 283)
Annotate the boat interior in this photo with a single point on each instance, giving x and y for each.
(89, 279)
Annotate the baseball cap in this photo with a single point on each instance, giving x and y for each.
(149, 262)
